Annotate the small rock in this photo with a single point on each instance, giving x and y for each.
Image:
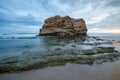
(49, 50)
(73, 46)
(25, 52)
(75, 40)
(58, 49)
(118, 41)
(98, 39)
(113, 40)
(67, 42)
(26, 46)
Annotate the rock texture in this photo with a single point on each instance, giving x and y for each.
(63, 26)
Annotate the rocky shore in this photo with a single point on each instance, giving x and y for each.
(67, 42)
(63, 51)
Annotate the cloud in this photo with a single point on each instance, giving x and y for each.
(97, 13)
(113, 3)
(105, 30)
(98, 19)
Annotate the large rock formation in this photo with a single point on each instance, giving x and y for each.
(63, 26)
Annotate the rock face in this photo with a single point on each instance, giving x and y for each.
(63, 26)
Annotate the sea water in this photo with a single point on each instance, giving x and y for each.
(11, 44)
(16, 43)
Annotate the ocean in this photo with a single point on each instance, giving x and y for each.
(16, 43)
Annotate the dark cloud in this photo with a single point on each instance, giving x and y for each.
(113, 3)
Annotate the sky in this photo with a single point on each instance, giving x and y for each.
(27, 16)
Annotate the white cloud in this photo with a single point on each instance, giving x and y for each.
(104, 30)
(98, 18)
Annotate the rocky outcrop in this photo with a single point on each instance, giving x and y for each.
(58, 57)
(63, 26)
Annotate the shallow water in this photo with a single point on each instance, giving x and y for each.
(14, 44)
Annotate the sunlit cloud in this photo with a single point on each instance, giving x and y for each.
(105, 30)
(97, 19)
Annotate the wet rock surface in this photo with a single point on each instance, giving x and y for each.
(83, 50)
(64, 27)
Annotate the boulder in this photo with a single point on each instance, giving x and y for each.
(63, 26)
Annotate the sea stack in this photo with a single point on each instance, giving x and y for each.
(63, 27)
